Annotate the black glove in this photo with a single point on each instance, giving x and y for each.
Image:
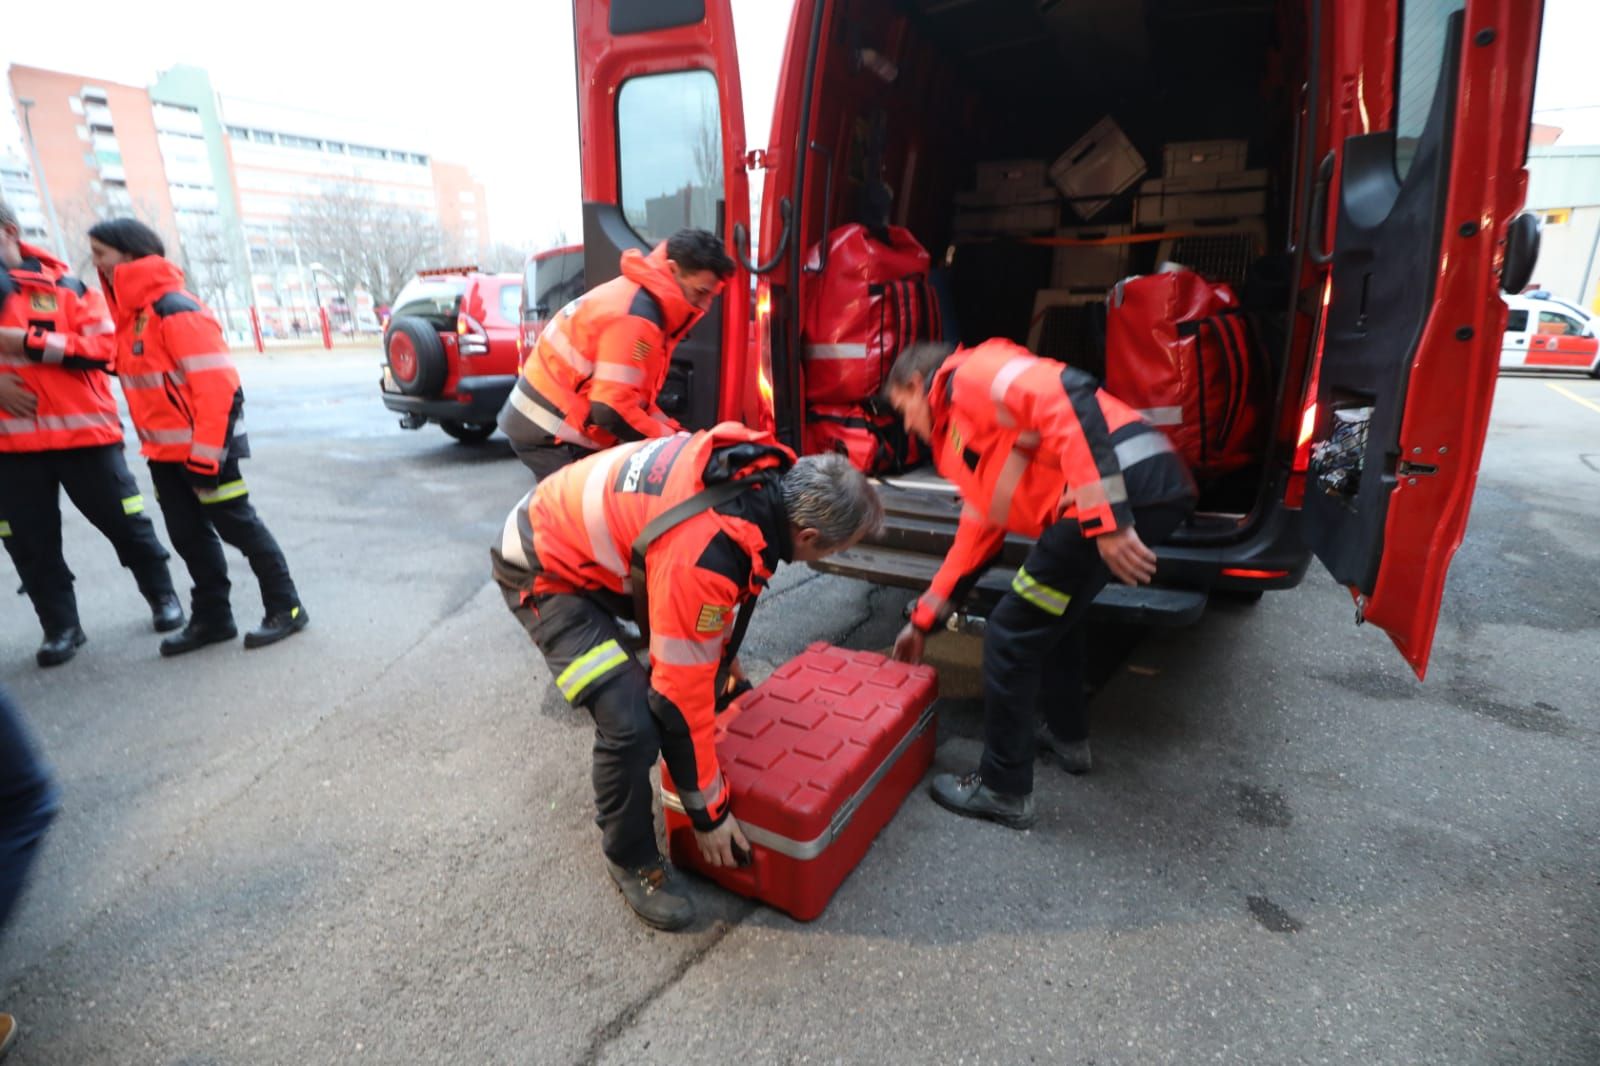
(729, 690)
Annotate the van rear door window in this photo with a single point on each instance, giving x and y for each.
(1423, 24)
(669, 151)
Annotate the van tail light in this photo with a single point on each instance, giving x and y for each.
(474, 339)
(1294, 493)
(1253, 575)
(767, 414)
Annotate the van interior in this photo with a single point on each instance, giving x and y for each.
(912, 98)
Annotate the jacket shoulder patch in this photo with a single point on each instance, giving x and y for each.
(645, 306)
(724, 556)
(174, 303)
(713, 618)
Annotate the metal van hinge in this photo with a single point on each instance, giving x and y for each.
(755, 159)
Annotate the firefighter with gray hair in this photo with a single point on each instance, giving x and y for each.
(679, 533)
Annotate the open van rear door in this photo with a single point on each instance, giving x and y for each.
(1411, 339)
(661, 138)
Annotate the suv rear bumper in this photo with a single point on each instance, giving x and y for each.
(485, 397)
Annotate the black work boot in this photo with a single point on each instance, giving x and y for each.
(197, 634)
(1071, 755)
(277, 625)
(166, 613)
(654, 894)
(60, 646)
(969, 797)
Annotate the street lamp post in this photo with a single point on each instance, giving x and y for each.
(26, 104)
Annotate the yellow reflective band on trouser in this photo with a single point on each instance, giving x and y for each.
(590, 667)
(5, 529)
(228, 490)
(1047, 599)
(133, 504)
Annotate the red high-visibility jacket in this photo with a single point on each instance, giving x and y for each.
(595, 374)
(180, 382)
(67, 350)
(1014, 432)
(574, 533)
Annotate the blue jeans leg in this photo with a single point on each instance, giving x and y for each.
(27, 804)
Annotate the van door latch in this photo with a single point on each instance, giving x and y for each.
(1409, 469)
(755, 159)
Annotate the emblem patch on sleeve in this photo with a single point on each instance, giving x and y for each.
(43, 301)
(713, 619)
(641, 348)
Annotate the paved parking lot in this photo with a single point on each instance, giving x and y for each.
(374, 841)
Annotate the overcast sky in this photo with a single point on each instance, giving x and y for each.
(491, 84)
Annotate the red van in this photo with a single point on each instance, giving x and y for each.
(1389, 136)
(551, 279)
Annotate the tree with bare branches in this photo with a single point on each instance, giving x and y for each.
(365, 243)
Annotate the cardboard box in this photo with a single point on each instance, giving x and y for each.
(1015, 220)
(1001, 175)
(1182, 158)
(1090, 267)
(1201, 196)
(1100, 165)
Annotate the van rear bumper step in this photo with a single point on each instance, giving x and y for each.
(1145, 605)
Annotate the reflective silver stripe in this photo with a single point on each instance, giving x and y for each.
(18, 426)
(548, 421)
(809, 849)
(682, 651)
(194, 363)
(165, 436)
(1096, 494)
(1163, 416)
(1136, 450)
(1005, 486)
(662, 417)
(95, 421)
(511, 548)
(556, 334)
(15, 360)
(693, 799)
(594, 520)
(95, 329)
(207, 451)
(141, 381)
(1005, 376)
(55, 347)
(622, 375)
(836, 351)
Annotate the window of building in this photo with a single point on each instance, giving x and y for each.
(75, 104)
(669, 151)
(238, 133)
(291, 141)
(93, 94)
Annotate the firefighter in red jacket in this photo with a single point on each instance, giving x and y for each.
(183, 393)
(59, 428)
(565, 562)
(1036, 449)
(594, 376)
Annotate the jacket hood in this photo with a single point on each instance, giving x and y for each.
(140, 283)
(49, 265)
(654, 274)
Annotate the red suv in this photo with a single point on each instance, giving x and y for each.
(450, 350)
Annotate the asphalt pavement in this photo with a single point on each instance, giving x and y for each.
(374, 841)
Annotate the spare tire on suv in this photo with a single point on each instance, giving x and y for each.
(416, 356)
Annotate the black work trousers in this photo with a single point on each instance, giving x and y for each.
(99, 484)
(546, 459)
(1033, 647)
(199, 526)
(596, 669)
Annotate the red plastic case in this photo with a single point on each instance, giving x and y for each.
(819, 757)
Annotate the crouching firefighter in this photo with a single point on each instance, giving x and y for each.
(679, 533)
(1036, 449)
(595, 376)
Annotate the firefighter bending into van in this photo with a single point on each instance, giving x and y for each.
(680, 533)
(594, 376)
(1036, 449)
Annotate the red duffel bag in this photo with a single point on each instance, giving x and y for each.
(1180, 350)
(875, 442)
(871, 300)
